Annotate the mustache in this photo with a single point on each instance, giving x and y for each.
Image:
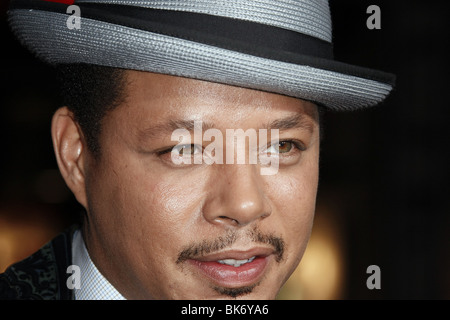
(206, 247)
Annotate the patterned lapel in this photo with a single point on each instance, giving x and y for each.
(42, 276)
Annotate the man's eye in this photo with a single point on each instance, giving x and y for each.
(283, 147)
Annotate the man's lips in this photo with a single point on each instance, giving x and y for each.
(234, 268)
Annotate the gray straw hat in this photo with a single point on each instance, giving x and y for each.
(280, 46)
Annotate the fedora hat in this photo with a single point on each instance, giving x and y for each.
(279, 46)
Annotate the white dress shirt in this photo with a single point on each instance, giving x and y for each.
(94, 285)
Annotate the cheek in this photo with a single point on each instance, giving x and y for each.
(294, 192)
(293, 195)
(156, 203)
(295, 205)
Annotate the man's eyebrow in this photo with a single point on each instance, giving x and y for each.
(167, 128)
(293, 122)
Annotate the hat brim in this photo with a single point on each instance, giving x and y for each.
(333, 84)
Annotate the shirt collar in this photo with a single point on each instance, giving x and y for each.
(94, 286)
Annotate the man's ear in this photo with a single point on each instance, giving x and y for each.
(70, 152)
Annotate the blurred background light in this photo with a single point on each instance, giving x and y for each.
(321, 273)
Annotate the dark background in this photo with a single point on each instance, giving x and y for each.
(384, 169)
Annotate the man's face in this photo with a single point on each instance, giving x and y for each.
(160, 230)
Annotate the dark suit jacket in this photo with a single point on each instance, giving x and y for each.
(43, 275)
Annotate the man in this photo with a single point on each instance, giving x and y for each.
(148, 88)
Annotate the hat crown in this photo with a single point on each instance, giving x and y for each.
(311, 17)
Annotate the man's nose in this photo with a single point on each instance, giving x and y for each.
(237, 196)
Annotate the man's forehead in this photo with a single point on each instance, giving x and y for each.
(148, 85)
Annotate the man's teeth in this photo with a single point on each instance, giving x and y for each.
(235, 263)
